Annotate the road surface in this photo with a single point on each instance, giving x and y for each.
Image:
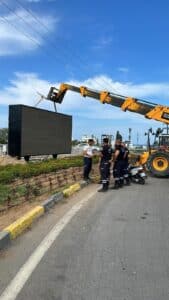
(111, 246)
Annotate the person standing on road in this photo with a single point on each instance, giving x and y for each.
(88, 154)
(118, 165)
(105, 163)
(125, 163)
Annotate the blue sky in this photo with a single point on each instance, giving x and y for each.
(121, 46)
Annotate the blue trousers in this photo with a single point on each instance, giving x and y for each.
(125, 170)
(105, 171)
(118, 170)
(87, 167)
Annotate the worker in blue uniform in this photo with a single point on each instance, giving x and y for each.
(118, 166)
(105, 163)
(125, 164)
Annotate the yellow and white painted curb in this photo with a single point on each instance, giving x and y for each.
(24, 222)
(71, 190)
(15, 229)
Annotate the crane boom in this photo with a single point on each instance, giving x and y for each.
(147, 109)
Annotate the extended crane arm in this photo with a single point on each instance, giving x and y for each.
(148, 109)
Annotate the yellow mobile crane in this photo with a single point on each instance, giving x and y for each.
(156, 160)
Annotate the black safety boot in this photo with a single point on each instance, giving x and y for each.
(104, 188)
(127, 181)
(116, 185)
(121, 183)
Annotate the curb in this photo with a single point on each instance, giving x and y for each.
(24, 222)
(19, 226)
(50, 202)
(4, 239)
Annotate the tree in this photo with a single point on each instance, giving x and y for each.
(75, 142)
(3, 135)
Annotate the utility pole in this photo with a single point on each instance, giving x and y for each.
(130, 129)
(137, 138)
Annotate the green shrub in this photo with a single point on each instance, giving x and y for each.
(5, 192)
(21, 190)
(10, 172)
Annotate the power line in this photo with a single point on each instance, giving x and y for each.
(47, 29)
(33, 15)
(20, 31)
(18, 16)
(39, 33)
(28, 23)
(28, 36)
(59, 59)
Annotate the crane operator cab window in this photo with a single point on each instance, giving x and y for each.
(164, 140)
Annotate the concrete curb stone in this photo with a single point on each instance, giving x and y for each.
(50, 202)
(83, 184)
(4, 239)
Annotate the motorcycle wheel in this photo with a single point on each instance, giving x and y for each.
(142, 180)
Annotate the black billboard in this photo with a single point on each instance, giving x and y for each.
(34, 131)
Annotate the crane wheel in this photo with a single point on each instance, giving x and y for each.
(158, 164)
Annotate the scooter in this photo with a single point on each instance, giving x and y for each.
(137, 174)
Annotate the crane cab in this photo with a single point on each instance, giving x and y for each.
(164, 140)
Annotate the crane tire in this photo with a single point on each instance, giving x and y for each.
(158, 164)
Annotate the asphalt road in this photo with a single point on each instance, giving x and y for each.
(115, 247)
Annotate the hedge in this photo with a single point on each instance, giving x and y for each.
(11, 172)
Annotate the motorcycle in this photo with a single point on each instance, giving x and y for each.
(137, 174)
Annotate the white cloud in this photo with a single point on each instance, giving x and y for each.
(17, 36)
(22, 90)
(29, 82)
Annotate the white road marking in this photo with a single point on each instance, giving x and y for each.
(16, 285)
